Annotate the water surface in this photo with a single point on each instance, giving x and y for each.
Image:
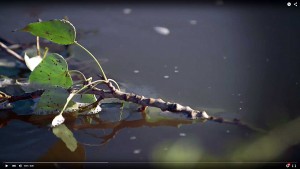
(233, 61)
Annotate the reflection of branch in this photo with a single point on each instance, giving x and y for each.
(141, 123)
(43, 120)
(72, 123)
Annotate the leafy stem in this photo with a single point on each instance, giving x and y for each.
(101, 70)
(46, 52)
(78, 72)
(112, 80)
(73, 94)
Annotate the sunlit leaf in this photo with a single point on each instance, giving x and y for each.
(53, 70)
(66, 136)
(32, 63)
(31, 58)
(58, 31)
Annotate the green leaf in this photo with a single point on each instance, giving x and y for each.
(53, 70)
(52, 101)
(62, 132)
(58, 31)
(84, 98)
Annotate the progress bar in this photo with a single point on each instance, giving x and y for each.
(208, 162)
(20, 164)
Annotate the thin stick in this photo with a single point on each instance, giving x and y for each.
(12, 53)
(38, 51)
(101, 70)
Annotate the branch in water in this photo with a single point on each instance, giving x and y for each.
(167, 106)
(144, 101)
(159, 103)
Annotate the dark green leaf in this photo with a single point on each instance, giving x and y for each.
(52, 101)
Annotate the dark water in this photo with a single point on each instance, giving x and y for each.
(233, 61)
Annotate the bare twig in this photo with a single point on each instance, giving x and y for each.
(159, 103)
(38, 51)
(12, 53)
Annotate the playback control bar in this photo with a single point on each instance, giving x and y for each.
(144, 165)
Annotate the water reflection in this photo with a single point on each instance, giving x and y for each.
(88, 122)
(58, 152)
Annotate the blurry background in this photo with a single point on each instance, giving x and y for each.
(233, 60)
